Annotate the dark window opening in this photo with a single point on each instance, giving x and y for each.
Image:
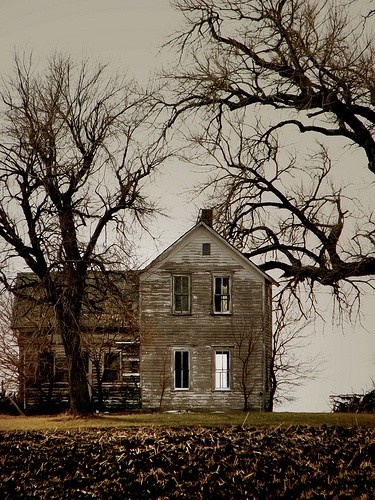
(181, 369)
(45, 366)
(222, 294)
(206, 248)
(61, 371)
(181, 294)
(111, 369)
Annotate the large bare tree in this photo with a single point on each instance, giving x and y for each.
(312, 57)
(257, 74)
(10, 368)
(77, 148)
(291, 366)
(273, 95)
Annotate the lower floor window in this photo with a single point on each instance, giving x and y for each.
(51, 366)
(181, 369)
(222, 368)
(112, 367)
(46, 362)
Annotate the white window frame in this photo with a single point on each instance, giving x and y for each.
(175, 294)
(222, 370)
(219, 296)
(179, 378)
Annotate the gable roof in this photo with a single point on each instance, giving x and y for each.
(110, 298)
(179, 242)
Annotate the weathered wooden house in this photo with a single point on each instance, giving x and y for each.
(198, 337)
(206, 326)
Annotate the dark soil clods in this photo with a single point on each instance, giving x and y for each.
(199, 463)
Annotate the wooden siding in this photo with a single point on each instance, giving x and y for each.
(109, 322)
(202, 332)
(51, 393)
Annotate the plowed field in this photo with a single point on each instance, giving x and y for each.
(196, 462)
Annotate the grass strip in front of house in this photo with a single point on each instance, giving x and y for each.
(188, 419)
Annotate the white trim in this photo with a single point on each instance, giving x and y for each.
(181, 349)
(228, 370)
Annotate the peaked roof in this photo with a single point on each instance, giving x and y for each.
(168, 251)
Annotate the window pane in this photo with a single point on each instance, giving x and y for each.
(45, 368)
(225, 286)
(184, 285)
(178, 303)
(181, 369)
(111, 371)
(177, 284)
(222, 294)
(61, 369)
(218, 286)
(222, 370)
(184, 303)
(181, 293)
(185, 371)
(178, 360)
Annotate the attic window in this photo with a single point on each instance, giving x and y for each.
(206, 248)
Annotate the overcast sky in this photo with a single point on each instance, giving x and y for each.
(129, 34)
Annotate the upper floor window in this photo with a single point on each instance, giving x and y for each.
(222, 294)
(181, 369)
(181, 294)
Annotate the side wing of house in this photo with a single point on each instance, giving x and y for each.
(109, 339)
(205, 323)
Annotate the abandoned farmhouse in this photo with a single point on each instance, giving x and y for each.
(191, 331)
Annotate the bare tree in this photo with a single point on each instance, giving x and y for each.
(292, 220)
(9, 355)
(15, 347)
(110, 325)
(291, 366)
(77, 147)
(288, 364)
(313, 58)
(246, 338)
(253, 73)
(165, 376)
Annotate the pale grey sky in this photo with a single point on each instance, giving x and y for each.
(129, 34)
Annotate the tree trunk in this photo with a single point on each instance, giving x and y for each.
(79, 396)
(270, 403)
(245, 400)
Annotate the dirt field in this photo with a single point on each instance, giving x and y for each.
(197, 462)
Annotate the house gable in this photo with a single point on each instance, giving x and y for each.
(190, 248)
